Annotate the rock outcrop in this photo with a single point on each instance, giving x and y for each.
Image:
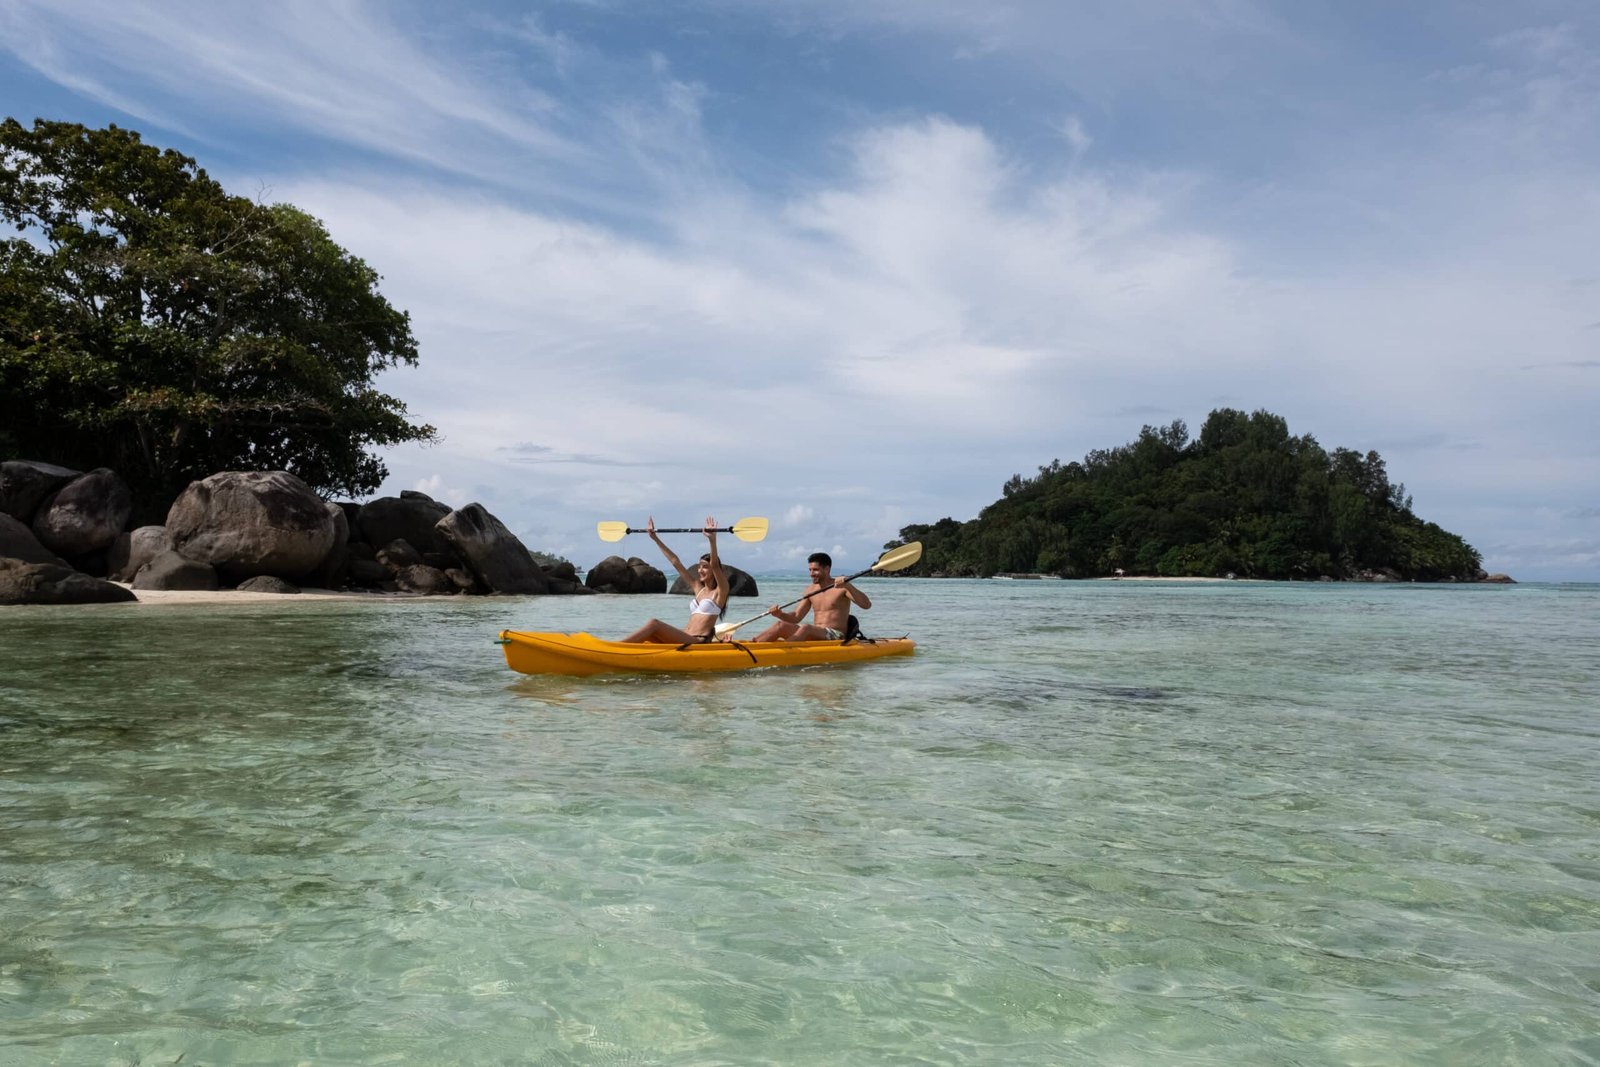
(332, 571)
(50, 583)
(259, 530)
(632, 575)
(169, 570)
(85, 515)
(740, 583)
(399, 553)
(493, 554)
(369, 573)
(266, 583)
(411, 517)
(24, 484)
(246, 523)
(17, 542)
(423, 579)
(134, 549)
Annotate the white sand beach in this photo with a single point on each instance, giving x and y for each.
(235, 596)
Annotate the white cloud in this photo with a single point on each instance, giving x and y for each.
(1073, 130)
(434, 486)
(886, 337)
(343, 70)
(934, 323)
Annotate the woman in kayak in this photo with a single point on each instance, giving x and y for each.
(710, 584)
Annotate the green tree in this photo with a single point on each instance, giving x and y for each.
(1245, 497)
(153, 323)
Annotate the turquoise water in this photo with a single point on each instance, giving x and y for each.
(1090, 823)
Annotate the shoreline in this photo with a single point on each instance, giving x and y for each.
(235, 596)
(1491, 580)
(1167, 578)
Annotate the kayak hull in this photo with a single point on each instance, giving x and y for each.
(582, 654)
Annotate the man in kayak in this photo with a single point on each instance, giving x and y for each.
(828, 598)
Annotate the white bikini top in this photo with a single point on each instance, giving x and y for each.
(707, 606)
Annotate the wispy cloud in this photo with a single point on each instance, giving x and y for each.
(530, 453)
(341, 69)
(633, 291)
(354, 75)
(1076, 134)
(940, 311)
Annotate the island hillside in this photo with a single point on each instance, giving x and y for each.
(1245, 498)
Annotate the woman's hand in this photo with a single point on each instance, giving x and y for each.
(711, 528)
(650, 527)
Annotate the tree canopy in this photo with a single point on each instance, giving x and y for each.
(152, 323)
(1245, 498)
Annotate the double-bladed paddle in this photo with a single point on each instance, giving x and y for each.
(751, 529)
(896, 559)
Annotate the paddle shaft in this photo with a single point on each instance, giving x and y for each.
(792, 603)
(748, 529)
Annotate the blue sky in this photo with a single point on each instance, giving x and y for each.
(850, 265)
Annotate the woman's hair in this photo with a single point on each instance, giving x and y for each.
(706, 558)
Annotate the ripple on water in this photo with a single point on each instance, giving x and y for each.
(1238, 824)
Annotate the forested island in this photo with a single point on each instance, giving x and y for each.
(1245, 499)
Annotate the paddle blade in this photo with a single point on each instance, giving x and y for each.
(898, 559)
(612, 531)
(751, 529)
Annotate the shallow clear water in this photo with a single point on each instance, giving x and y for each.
(1089, 823)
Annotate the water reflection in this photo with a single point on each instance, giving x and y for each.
(828, 693)
(825, 692)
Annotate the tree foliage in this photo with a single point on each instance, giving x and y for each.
(153, 323)
(1245, 497)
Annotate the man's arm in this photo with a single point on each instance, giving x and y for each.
(857, 597)
(799, 613)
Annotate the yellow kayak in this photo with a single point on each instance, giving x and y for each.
(583, 654)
